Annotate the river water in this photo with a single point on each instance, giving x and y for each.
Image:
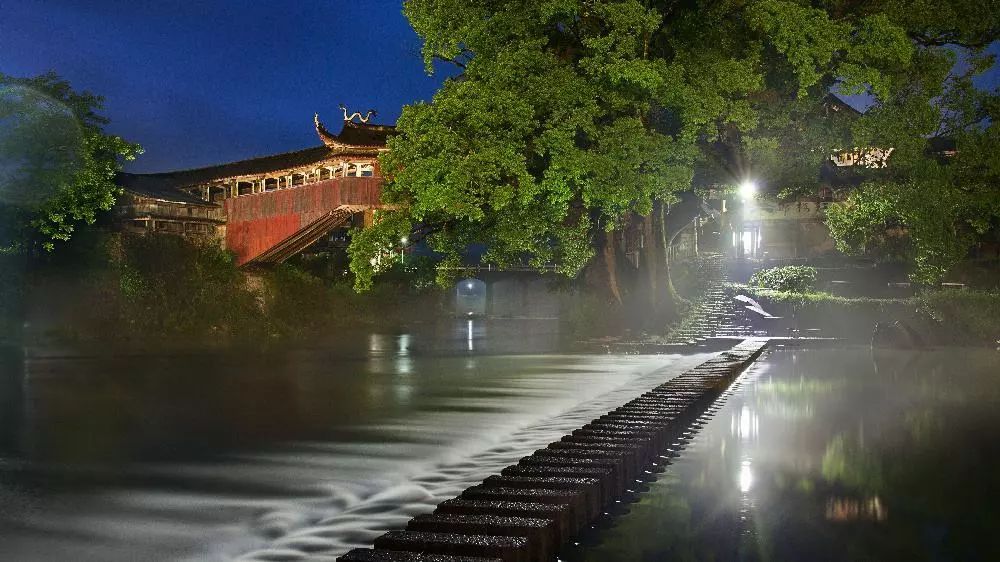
(831, 454)
(281, 456)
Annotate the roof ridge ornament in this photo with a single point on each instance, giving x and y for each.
(326, 136)
(354, 136)
(363, 119)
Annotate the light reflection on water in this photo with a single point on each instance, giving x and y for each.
(219, 456)
(831, 455)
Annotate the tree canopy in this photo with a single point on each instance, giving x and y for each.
(941, 190)
(57, 165)
(566, 116)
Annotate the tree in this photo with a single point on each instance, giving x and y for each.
(569, 119)
(941, 191)
(57, 166)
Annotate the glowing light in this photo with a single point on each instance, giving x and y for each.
(747, 424)
(746, 477)
(470, 285)
(404, 240)
(471, 346)
(748, 189)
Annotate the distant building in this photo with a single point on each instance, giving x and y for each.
(769, 228)
(242, 204)
(153, 205)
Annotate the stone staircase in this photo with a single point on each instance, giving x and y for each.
(715, 313)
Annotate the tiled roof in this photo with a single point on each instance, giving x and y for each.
(252, 166)
(355, 134)
(361, 136)
(157, 187)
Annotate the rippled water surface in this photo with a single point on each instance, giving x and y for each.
(831, 455)
(285, 456)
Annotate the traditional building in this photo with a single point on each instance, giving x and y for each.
(253, 206)
(152, 204)
(769, 228)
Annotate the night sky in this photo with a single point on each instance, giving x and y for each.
(201, 82)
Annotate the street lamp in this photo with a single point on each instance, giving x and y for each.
(747, 189)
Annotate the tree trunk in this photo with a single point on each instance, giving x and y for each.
(602, 273)
(671, 292)
(645, 295)
(655, 289)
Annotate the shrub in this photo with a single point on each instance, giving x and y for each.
(791, 278)
(172, 286)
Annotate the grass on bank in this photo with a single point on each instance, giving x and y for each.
(966, 313)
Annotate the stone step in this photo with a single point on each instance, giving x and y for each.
(591, 488)
(542, 534)
(578, 507)
(369, 555)
(507, 549)
(559, 514)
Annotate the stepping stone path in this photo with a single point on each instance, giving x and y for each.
(532, 508)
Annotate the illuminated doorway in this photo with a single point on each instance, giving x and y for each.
(746, 242)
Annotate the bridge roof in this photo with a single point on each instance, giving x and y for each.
(160, 188)
(249, 167)
(355, 139)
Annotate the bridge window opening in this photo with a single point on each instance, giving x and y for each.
(324, 174)
(352, 170)
(270, 184)
(298, 179)
(216, 193)
(366, 171)
(244, 188)
(169, 226)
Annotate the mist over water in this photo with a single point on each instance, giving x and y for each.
(309, 452)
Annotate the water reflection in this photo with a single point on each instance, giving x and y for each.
(829, 455)
(745, 424)
(746, 476)
(843, 510)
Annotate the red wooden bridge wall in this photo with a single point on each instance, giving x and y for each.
(255, 223)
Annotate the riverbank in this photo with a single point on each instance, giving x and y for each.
(134, 294)
(941, 317)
